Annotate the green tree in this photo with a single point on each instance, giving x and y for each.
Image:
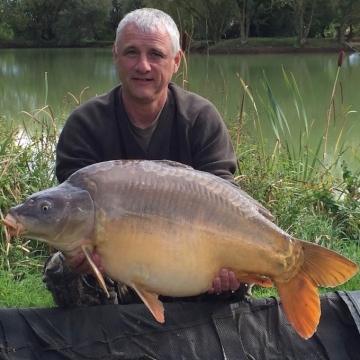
(121, 7)
(96, 14)
(245, 10)
(116, 14)
(3, 8)
(272, 20)
(183, 18)
(323, 18)
(347, 16)
(62, 21)
(303, 11)
(83, 20)
(34, 19)
(211, 16)
(5, 28)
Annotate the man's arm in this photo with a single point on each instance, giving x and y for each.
(211, 145)
(77, 147)
(90, 135)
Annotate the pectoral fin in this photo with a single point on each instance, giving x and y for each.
(95, 270)
(151, 301)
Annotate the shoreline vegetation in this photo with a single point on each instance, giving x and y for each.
(296, 184)
(232, 46)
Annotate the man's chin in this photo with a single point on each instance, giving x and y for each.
(142, 96)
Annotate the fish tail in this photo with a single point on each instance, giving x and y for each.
(299, 295)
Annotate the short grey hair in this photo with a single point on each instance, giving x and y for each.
(150, 20)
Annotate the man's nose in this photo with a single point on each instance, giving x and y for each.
(143, 64)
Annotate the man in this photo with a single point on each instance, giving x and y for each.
(147, 117)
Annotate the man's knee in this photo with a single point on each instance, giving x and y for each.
(70, 289)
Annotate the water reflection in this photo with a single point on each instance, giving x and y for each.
(22, 77)
(353, 60)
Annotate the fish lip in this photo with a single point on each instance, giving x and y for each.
(14, 227)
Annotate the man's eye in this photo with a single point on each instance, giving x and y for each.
(155, 54)
(130, 52)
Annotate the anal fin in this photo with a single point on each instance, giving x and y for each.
(151, 301)
(301, 303)
(95, 270)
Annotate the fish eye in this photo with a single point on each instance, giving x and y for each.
(45, 206)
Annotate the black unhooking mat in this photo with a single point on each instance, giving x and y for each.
(254, 329)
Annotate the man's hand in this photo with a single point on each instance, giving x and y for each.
(225, 281)
(80, 265)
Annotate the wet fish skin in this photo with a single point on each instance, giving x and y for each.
(58, 216)
(157, 223)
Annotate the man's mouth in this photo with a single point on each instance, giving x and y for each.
(142, 80)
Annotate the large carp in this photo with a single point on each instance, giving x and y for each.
(164, 228)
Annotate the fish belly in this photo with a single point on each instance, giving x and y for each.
(165, 258)
(178, 259)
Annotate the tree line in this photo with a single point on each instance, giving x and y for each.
(71, 22)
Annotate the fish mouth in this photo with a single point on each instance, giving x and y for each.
(12, 225)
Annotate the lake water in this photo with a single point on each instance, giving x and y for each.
(23, 86)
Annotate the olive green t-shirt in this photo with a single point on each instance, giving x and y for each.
(143, 136)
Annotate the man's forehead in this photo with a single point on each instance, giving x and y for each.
(156, 31)
(133, 36)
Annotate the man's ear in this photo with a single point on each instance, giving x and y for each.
(177, 61)
(115, 55)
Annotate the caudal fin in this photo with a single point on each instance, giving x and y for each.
(299, 295)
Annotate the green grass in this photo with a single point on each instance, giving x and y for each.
(23, 290)
(26, 166)
(20, 274)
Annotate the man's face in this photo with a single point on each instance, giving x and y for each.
(145, 64)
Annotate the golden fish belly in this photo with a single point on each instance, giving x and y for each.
(181, 259)
(177, 263)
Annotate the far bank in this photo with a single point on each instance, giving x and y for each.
(231, 46)
(271, 46)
